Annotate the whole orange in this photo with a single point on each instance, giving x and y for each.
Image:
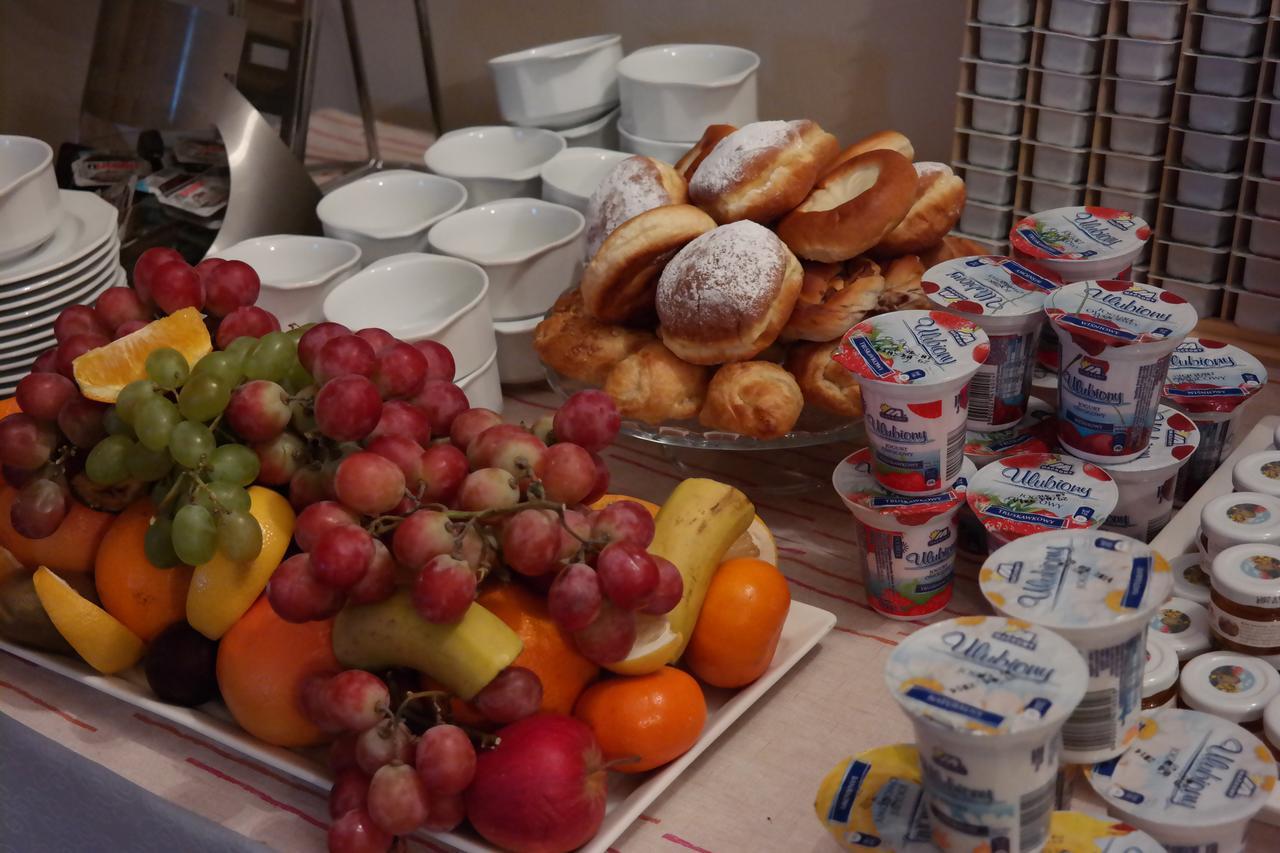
(9, 406)
(263, 661)
(146, 599)
(740, 622)
(548, 650)
(71, 548)
(652, 718)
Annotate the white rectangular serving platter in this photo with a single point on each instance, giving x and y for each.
(628, 794)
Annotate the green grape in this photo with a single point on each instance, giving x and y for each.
(146, 464)
(203, 397)
(154, 422)
(234, 463)
(167, 368)
(303, 420)
(239, 536)
(295, 333)
(131, 396)
(218, 496)
(297, 378)
(239, 348)
(220, 365)
(195, 539)
(106, 464)
(191, 443)
(157, 543)
(272, 358)
(115, 425)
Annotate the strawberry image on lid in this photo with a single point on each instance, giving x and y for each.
(1212, 376)
(1079, 234)
(1033, 492)
(988, 286)
(917, 348)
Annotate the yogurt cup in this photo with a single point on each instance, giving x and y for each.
(971, 541)
(987, 697)
(1190, 580)
(1098, 591)
(1193, 781)
(1035, 433)
(1080, 243)
(1258, 472)
(1210, 381)
(1159, 674)
(1117, 339)
(1238, 518)
(1185, 625)
(1147, 483)
(1005, 299)
(1077, 832)
(1230, 685)
(876, 800)
(1036, 492)
(913, 368)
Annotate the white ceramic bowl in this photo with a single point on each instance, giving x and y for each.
(388, 213)
(494, 162)
(601, 133)
(667, 152)
(421, 297)
(30, 208)
(671, 92)
(530, 249)
(297, 272)
(558, 85)
(483, 387)
(518, 362)
(570, 177)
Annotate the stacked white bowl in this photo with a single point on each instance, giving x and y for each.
(297, 272)
(57, 248)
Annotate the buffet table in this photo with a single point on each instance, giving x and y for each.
(752, 790)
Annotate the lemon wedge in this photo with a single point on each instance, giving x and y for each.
(97, 636)
(656, 645)
(757, 542)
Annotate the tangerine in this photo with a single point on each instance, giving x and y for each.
(740, 622)
(644, 721)
(146, 599)
(9, 406)
(70, 548)
(263, 663)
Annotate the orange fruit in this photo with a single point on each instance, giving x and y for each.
(740, 622)
(263, 663)
(146, 599)
(605, 500)
(652, 718)
(9, 406)
(548, 650)
(72, 546)
(102, 372)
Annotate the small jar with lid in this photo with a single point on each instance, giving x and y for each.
(1160, 677)
(1239, 518)
(1231, 686)
(1258, 472)
(1245, 601)
(1190, 580)
(1185, 625)
(1271, 726)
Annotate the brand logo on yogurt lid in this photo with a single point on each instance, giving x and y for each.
(1033, 479)
(1093, 368)
(1059, 468)
(933, 339)
(942, 534)
(1088, 391)
(1020, 637)
(1131, 305)
(890, 432)
(978, 651)
(1100, 231)
(1214, 763)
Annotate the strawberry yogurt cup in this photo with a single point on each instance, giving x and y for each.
(1037, 432)
(1147, 483)
(908, 543)
(1210, 381)
(1006, 299)
(913, 368)
(1080, 243)
(1036, 492)
(1117, 340)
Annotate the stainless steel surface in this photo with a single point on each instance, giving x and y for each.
(362, 82)
(429, 64)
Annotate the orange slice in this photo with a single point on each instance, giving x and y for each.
(102, 372)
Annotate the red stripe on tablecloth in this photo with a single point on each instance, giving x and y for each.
(356, 122)
(262, 795)
(846, 599)
(229, 756)
(43, 704)
(385, 146)
(876, 637)
(648, 818)
(675, 839)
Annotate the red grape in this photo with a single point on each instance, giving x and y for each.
(518, 453)
(628, 575)
(377, 338)
(342, 752)
(317, 519)
(398, 801)
(400, 417)
(446, 760)
(488, 488)
(441, 402)
(514, 693)
(482, 449)
(400, 371)
(447, 813)
(350, 788)
(383, 744)
(311, 702)
(601, 488)
(444, 589)
(609, 638)
(355, 832)
(228, 286)
(128, 327)
(342, 556)
(421, 536)
(344, 355)
(313, 339)
(469, 424)
(147, 262)
(574, 598)
(297, 595)
(670, 588)
(119, 305)
(175, 286)
(405, 453)
(46, 362)
(444, 467)
(205, 269)
(369, 483)
(531, 541)
(42, 395)
(542, 428)
(580, 524)
(623, 521)
(440, 364)
(18, 477)
(348, 408)
(308, 485)
(259, 410)
(589, 418)
(357, 699)
(280, 458)
(74, 347)
(38, 509)
(248, 321)
(78, 320)
(567, 473)
(26, 442)
(81, 421)
(379, 581)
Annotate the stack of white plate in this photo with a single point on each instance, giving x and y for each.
(74, 265)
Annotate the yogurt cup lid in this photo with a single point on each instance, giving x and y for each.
(1035, 433)
(1187, 770)
(1248, 574)
(1233, 686)
(1119, 313)
(1258, 472)
(1190, 580)
(1210, 376)
(1185, 624)
(857, 486)
(967, 472)
(1161, 670)
(876, 799)
(1242, 517)
(918, 348)
(1032, 492)
(1079, 234)
(988, 286)
(1077, 832)
(1174, 438)
(986, 676)
(1074, 579)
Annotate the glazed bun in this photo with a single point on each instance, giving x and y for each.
(834, 297)
(726, 295)
(902, 288)
(619, 282)
(938, 202)
(762, 170)
(889, 140)
(692, 159)
(653, 386)
(823, 382)
(755, 398)
(630, 188)
(579, 346)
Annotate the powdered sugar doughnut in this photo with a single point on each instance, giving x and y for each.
(629, 189)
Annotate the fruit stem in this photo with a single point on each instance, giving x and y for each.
(173, 491)
(436, 697)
